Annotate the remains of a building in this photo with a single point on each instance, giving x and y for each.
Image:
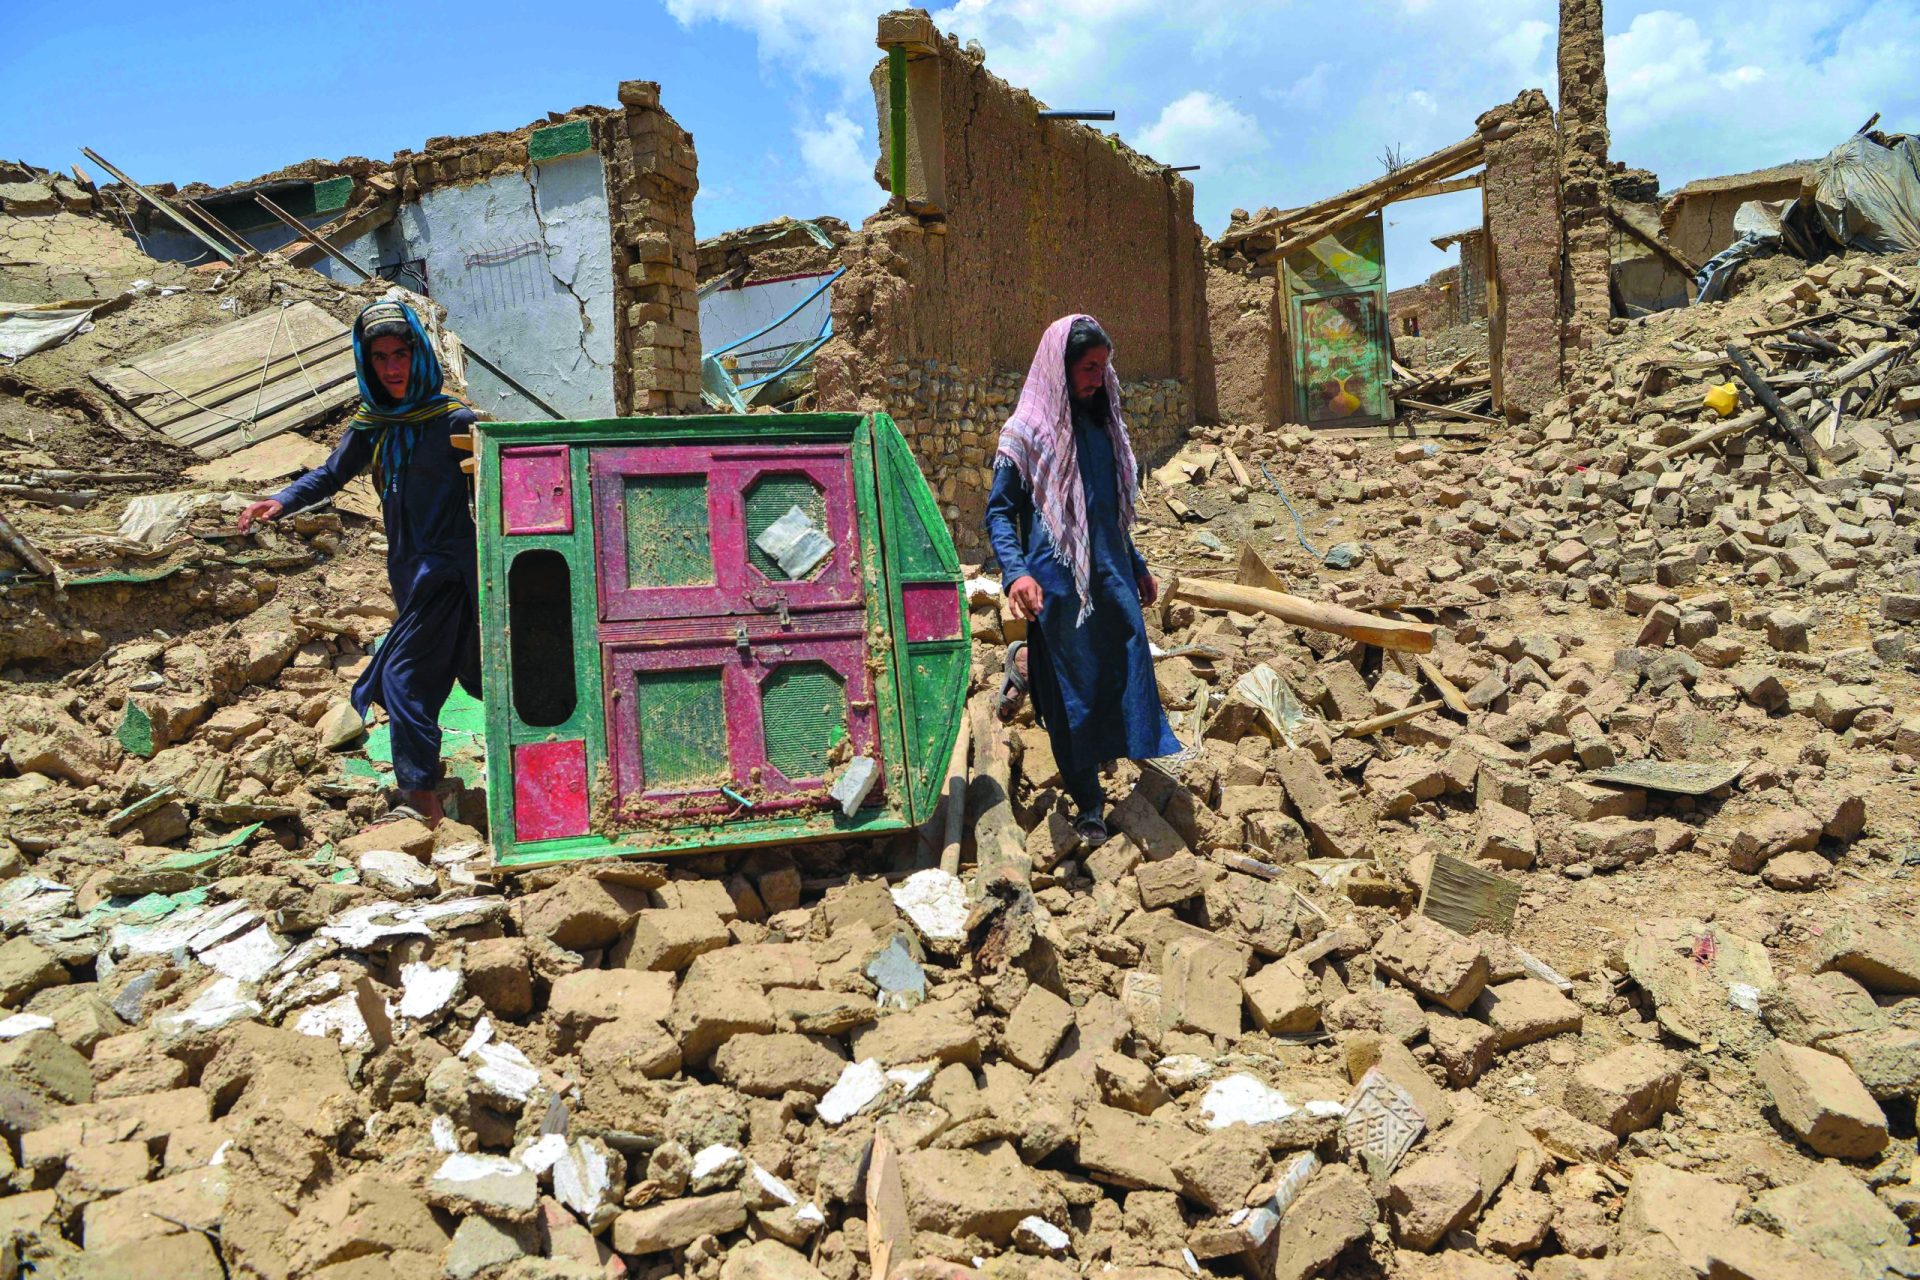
(1534, 902)
(1007, 222)
(1698, 218)
(766, 307)
(565, 249)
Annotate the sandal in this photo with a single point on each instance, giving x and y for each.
(1013, 686)
(1091, 828)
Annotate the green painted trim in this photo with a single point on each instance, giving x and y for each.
(330, 195)
(568, 139)
(733, 428)
(897, 119)
(807, 830)
(880, 656)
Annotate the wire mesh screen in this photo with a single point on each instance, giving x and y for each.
(770, 498)
(683, 728)
(804, 708)
(668, 540)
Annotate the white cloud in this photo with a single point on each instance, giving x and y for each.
(833, 40)
(838, 158)
(1201, 128)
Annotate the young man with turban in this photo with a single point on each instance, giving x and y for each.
(403, 429)
(1059, 517)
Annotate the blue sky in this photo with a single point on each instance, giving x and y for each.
(1280, 101)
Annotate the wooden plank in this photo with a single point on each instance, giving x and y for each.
(1385, 633)
(225, 253)
(1466, 898)
(1445, 187)
(241, 383)
(1660, 246)
(1449, 691)
(345, 229)
(1448, 411)
(1445, 158)
(1254, 571)
(889, 1226)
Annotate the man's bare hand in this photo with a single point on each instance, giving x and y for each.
(1149, 590)
(1026, 598)
(266, 510)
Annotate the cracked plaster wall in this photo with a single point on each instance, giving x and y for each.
(523, 263)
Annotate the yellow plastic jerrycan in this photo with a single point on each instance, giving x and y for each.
(1723, 399)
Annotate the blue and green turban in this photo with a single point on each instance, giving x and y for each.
(396, 422)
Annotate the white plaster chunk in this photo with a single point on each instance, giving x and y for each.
(220, 1002)
(544, 1151)
(482, 1032)
(855, 783)
(1181, 1070)
(772, 1185)
(463, 1166)
(711, 1160)
(810, 1214)
(427, 992)
(20, 1024)
(581, 1178)
(505, 1072)
(247, 958)
(910, 1079)
(936, 902)
(400, 874)
(859, 1084)
(338, 1019)
(1241, 1099)
(445, 1137)
(1035, 1231)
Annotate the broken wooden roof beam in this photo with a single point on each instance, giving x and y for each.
(226, 254)
(1448, 162)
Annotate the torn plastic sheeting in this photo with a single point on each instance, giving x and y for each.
(1264, 688)
(25, 330)
(795, 543)
(153, 518)
(1868, 196)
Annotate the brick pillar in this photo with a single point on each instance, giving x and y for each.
(1525, 241)
(1583, 174)
(652, 176)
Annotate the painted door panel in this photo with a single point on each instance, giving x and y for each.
(1336, 295)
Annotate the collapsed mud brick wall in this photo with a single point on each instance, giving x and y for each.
(1583, 175)
(1524, 250)
(1698, 218)
(652, 176)
(1020, 221)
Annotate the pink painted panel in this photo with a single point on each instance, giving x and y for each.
(737, 587)
(549, 790)
(536, 489)
(933, 611)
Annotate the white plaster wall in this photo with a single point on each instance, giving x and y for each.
(523, 263)
(727, 315)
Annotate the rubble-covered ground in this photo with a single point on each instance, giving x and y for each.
(253, 1031)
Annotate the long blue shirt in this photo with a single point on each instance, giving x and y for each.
(1092, 685)
(433, 569)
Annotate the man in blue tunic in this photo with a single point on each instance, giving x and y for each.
(1064, 486)
(404, 428)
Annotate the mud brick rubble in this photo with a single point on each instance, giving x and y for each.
(250, 1031)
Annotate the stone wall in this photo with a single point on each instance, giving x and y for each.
(1583, 177)
(652, 177)
(1524, 252)
(1035, 219)
(1699, 217)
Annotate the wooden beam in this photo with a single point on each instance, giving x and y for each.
(351, 227)
(1443, 163)
(1386, 633)
(226, 255)
(1395, 187)
(1469, 183)
(1361, 728)
(1660, 246)
(1448, 411)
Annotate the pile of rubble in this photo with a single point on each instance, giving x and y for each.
(1566, 945)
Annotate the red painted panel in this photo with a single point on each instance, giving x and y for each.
(549, 790)
(933, 611)
(536, 489)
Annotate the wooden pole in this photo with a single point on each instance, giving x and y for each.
(226, 254)
(28, 554)
(997, 838)
(1719, 431)
(1361, 728)
(1787, 418)
(956, 825)
(1386, 633)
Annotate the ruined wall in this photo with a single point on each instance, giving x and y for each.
(1583, 176)
(510, 232)
(1248, 379)
(652, 177)
(1471, 297)
(936, 320)
(1524, 252)
(1698, 220)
